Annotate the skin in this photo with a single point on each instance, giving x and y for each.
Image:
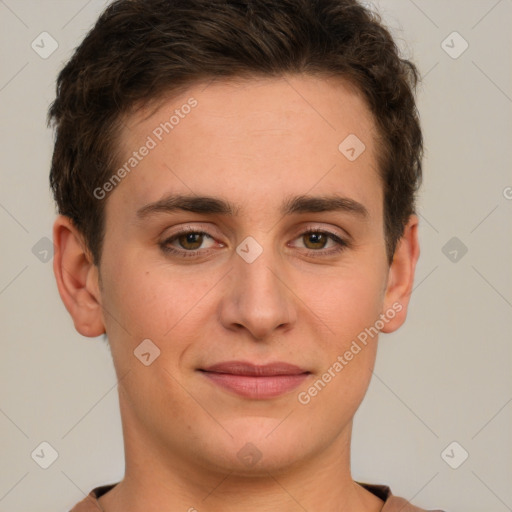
(251, 142)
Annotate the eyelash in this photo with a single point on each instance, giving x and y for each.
(341, 244)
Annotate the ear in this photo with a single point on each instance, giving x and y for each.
(77, 278)
(401, 276)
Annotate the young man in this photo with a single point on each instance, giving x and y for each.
(236, 184)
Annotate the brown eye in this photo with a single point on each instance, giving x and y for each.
(315, 240)
(191, 241)
(320, 243)
(188, 243)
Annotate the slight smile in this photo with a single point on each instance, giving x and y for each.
(257, 382)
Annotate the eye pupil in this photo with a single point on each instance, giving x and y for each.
(315, 239)
(191, 238)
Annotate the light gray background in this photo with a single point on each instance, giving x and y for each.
(444, 377)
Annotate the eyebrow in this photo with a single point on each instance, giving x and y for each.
(214, 205)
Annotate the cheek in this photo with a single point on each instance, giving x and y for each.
(130, 300)
(153, 300)
(347, 350)
(346, 302)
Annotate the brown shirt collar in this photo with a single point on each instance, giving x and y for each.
(391, 503)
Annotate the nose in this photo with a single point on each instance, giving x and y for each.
(257, 297)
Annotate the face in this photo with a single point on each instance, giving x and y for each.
(255, 297)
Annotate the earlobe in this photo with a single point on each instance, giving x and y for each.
(77, 278)
(401, 276)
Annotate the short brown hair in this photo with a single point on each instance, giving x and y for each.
(141, 50)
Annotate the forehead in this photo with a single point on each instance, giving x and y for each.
(251, 138)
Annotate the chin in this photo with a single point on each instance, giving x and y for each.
(259, 448)
(251, 462)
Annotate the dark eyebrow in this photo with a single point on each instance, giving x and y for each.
(188, 203)
(330, 203)
(213, 205)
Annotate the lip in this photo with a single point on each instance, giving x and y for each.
(258, 382)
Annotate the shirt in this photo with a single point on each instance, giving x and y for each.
(391, 503)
